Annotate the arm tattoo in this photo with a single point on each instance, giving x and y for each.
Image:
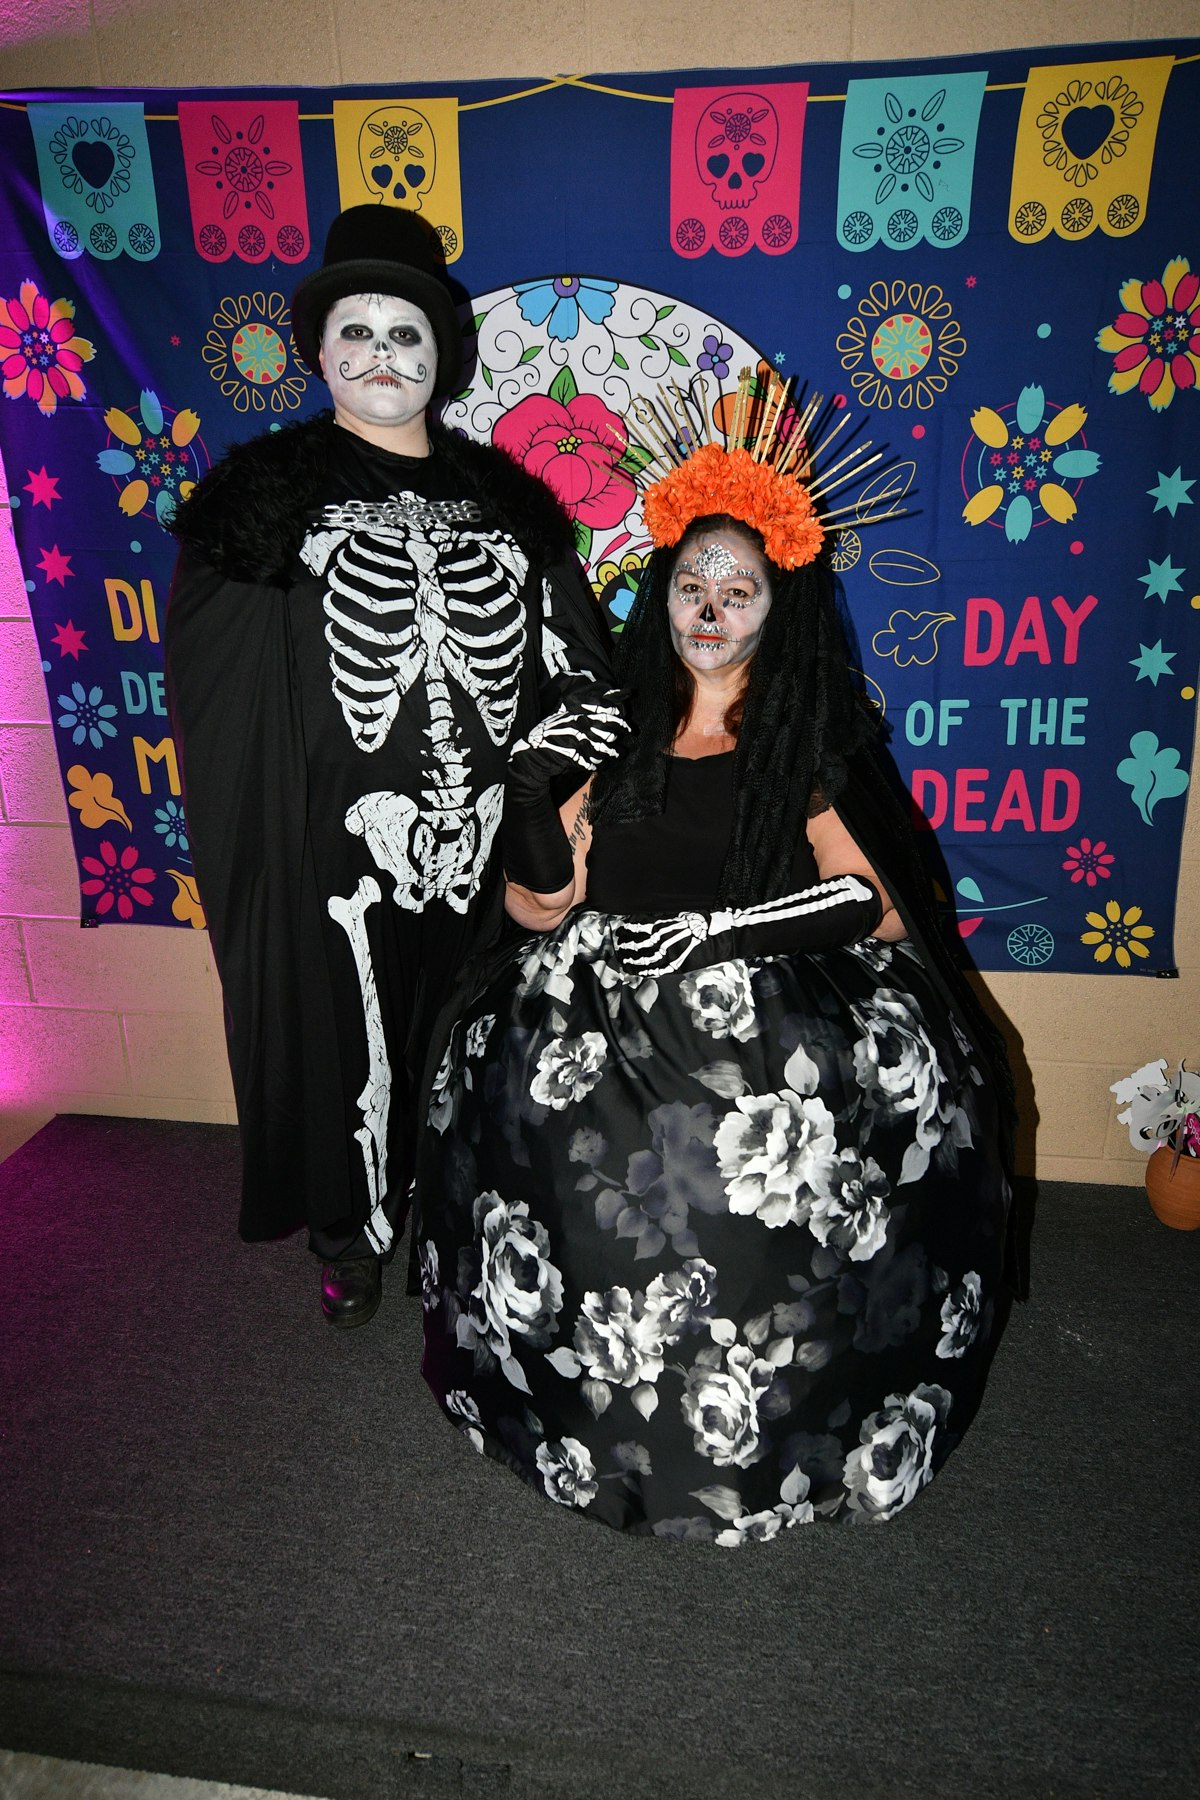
(575, 835)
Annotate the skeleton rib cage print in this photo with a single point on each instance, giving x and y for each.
(411, 591)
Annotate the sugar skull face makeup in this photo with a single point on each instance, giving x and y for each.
(379, 359)
(720, 596)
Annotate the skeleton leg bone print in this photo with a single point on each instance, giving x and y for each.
(375, 1100)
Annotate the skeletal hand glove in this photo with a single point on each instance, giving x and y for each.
(575, 740)
(581, 735)
(821, 917)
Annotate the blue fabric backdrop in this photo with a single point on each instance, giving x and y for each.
(937, 247)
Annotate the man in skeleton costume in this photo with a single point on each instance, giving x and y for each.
(368, 614)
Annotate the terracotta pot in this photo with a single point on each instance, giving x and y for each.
(1174, 1195)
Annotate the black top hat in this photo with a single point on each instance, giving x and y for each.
(377, 249)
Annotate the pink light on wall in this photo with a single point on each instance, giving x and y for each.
(24, 21)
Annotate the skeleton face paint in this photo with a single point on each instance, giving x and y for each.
(719, 600)
(379, 357)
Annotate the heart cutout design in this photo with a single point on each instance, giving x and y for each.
(1085, 128)
(717, 165)
(381, 174)
(94, 161)
(753, 163)
(414, 174)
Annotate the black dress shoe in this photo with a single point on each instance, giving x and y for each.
(351, 1291)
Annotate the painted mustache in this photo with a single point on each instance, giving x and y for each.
(385, 371)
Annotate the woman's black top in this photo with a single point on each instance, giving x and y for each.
(673, 861)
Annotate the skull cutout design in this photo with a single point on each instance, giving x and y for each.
(736, 141)
(397, 154)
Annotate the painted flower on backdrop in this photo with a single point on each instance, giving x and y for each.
(1018, 464)
(1155, 340)
(42, 354)
(241, 167)
(172, 826)
(902, 345)
(156, 459)
(558, 301)
(251, 354)
(117, 880)
(1117, 934)
(715, 356)
(86, 715)
(577, 446)
(1089, 862)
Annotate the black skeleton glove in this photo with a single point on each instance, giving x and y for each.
(574, 741)
(821, 917)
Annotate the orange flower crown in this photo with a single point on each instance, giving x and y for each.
(765, 473)
(715, 480)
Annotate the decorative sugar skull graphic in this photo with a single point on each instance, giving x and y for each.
(397, 153)
(736, 142)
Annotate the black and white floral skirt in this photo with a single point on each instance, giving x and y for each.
(710, 1254)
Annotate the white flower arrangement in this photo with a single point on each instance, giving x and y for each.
(1161, 1109)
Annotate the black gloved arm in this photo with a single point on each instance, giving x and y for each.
(574, 740)
(830, 913)
(533, 844)
(822, 917)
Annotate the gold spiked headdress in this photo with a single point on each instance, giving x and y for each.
(763, 469)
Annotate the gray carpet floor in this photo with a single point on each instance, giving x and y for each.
(239, 1546)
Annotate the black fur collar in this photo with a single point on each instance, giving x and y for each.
(248, 516)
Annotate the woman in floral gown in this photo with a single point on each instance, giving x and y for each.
(711, 1219)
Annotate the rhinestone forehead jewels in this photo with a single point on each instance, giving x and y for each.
(714, 562)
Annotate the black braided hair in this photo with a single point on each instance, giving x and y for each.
(801, 717)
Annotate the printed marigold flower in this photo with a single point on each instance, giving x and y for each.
(1117, 933)
(1155, 340)
(715, 480)
(42, 356)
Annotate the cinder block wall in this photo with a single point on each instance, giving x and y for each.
(126, 1019)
